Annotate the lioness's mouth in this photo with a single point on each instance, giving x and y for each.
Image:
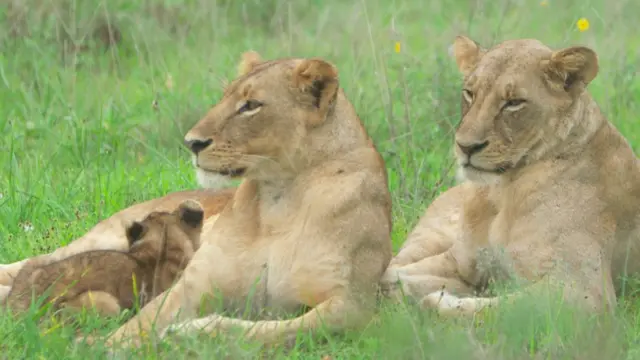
(232, 172)
(498, 170)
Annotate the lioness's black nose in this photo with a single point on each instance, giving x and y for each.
(471, 149)
(197, 145)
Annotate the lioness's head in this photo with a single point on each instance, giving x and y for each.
(520, 99)
(262, 120)
(161, 232)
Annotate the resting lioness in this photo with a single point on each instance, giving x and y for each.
(308, 227)
(161, 245)
(552, 195)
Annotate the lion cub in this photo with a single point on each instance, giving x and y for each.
(161, 245)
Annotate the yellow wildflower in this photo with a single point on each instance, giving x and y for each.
(544, 3)
(397, 47)
(583, 24)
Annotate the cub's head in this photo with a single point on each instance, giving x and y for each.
(520, 99)
(259, 127)
(172, 233)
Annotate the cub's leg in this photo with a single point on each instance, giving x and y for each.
(104, 303)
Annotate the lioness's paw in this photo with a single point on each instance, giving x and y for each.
(451, 305)
(193, 327)
(390, 277)
(391, 285)
(444, 303)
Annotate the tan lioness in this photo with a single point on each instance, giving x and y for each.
(552, 196)
(308, 227)
(108, 281)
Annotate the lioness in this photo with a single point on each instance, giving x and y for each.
(161, 245)
(309, 225)
(553, 190)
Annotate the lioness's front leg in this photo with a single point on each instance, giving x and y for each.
(436, 230)
(337, 279)
(449, 305)
(331, 314)
(423, 277)
(202, 276)
(583, 281)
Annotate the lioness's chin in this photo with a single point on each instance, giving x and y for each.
(477, 176)
(212, 180)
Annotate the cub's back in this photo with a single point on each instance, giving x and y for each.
(101, 270)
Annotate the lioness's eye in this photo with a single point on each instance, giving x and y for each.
(468, 95)
(249, 106)
(513, 104)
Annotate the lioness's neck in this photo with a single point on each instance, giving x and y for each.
(585, 121)
(341, 133)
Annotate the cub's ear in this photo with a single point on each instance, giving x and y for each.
(572, 68)
(319, 79)
(248, 61)
(135, 231)
(467, 54)
(191, 213)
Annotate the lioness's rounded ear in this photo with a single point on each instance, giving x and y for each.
(574, 68)
(467, 54)
(320, 79)
(191, 212)
(248, 61)
(134, 231)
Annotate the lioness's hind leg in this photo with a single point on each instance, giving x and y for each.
(4, 292)
(9, 271)
(104, 303)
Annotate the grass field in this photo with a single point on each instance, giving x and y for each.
(89, 127)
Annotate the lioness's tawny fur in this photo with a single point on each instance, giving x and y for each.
(308, 227)
(161, 245)
(552, 195)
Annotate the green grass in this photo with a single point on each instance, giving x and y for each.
(88, 130)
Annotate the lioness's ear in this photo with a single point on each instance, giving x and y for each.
(573, 68)
(191, 213)
(467, 54)
(135, 230)
(320, 79)
(248, 61)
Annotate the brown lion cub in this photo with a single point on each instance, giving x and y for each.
(161, 245)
